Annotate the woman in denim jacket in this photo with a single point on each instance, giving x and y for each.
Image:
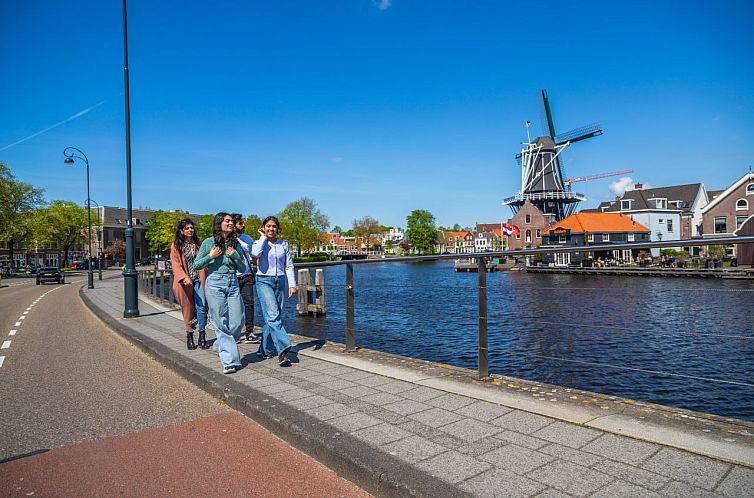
(219, 255)
(274, 268)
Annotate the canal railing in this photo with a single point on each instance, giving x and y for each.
(152, 282)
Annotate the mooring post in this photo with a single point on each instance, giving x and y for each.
(321, 297)
(303, 294)
(350, 322)
(483, 365)
(171, 297)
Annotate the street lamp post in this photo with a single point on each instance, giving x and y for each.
(99, 240)
(70, 154)
(130, 283)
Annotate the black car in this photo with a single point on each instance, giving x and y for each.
(50, 274)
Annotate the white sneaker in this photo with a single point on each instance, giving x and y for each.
(229, 370)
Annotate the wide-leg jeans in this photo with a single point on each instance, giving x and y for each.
(271, 291)
(226, 311)
(200, 305)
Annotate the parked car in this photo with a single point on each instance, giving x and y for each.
(50, 274)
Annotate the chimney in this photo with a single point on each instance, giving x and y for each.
(638, 186)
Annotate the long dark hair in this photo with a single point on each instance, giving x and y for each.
(221, 241)
(179, 238)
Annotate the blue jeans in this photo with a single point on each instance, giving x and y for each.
(271, 292)
(200, 306)
(226, 311)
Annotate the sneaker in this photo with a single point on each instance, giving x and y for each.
(266, 356)
(284, 361)
(229, 370)
(252, 339)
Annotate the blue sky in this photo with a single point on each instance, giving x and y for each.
(370, 107)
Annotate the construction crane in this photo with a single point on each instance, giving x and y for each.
(596, 177)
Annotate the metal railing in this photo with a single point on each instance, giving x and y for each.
(153, 282)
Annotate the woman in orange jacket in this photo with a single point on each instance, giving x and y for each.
(188, 283)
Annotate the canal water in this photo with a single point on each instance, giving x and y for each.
(687, 343)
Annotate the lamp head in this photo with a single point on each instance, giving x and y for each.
(68, 160)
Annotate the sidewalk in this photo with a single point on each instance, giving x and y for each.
(397, 426)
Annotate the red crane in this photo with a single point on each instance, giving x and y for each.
(595, 177)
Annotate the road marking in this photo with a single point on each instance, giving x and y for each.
(25, 312)
(12, 332)
(29, 308)
(17, 324)
(2, 359)
(5, 345)
(22, 317)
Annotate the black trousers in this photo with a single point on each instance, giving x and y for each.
(246, 286)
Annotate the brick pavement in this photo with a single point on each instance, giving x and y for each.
(385, 428)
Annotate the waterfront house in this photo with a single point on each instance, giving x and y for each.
(337, 244)
(458, 242)
(532, 223)
(487, 241)
(670, 213)
(729, 210)
(586, 229)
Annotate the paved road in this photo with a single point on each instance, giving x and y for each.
(116, 421)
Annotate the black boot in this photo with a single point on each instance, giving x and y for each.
(203, 341)
(190, 340)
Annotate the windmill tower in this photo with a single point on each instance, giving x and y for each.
(542, 176)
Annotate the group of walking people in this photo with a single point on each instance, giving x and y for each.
(219, 275)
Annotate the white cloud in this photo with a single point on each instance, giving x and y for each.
(382, 4)
(337, 159)
(619, 187)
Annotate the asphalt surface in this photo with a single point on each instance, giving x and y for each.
(84, 412)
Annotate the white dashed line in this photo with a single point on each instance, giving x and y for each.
(17, 324)
(25, 312)
(2, 359)
(29, 308)
(22, 317)
(5, 345)
(12, 332)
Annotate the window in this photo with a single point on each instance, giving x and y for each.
(539, 233)
(750, 189)
(721, 224)
(590, 237)
(561, 239)
(670, 225)
(518, 235)
(528, 236)
(605, 237)
(631, 237)
(742, 205)
(740, 221)
(527, 219)
(625, 205)
(661, 203)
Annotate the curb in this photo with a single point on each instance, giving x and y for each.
(374, 470)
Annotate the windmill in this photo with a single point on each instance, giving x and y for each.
(543, 180)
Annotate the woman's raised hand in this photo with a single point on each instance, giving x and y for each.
(215, 252)
(261, 232)
(229, 251)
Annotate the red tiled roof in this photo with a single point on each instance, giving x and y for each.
(599, 222)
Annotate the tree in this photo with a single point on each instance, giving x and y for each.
(421, 231)
(65, 222)
(364, 227)
(253, 223)
(116, 250)
(337, 229)
(18, 200)
(717, 252)
(204, 226)
(161, 229)
(302, 224)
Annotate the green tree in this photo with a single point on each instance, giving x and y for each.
(65, 222)
(717, 252)
(302, 224)
(421, 231)
(253, 223)
(204, 226)
(18, 201)
(364, 227)
(337, 229)
(161, 230)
